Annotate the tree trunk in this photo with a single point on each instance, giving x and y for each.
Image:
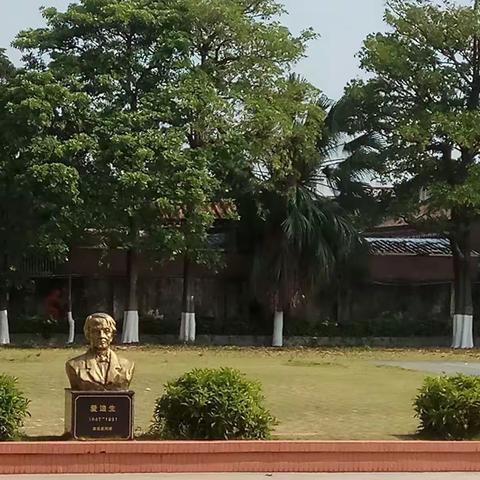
(71, 321)
(187, 323)
(463, 309)
(130, 316)
(4, 330)
(277, 340)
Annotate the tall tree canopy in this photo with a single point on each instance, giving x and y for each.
(39, 186)
(137, 177)
(423, 98)
(167, 82)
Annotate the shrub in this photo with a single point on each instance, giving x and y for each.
(13, 408)
(448, 407)
(212, 404)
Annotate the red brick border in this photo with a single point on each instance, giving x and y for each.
(272, 456)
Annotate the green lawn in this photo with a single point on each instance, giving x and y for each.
(315, 393)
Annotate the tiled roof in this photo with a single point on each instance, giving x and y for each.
(409, 246)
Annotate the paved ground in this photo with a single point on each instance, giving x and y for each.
(257, 476)
(470, 368)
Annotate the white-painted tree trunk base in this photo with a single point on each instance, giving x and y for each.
(188, 327)
(462, 331)
(191, 327)
(71, 328)
(4, 331)
(277, 339)
(130, 326)
(183, 333)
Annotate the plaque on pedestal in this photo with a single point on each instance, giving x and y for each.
(99, 415)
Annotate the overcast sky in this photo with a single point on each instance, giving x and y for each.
(331, 62)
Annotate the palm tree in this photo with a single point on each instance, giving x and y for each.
(305, 236)
(303, 233)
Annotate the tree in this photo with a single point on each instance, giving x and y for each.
(354, 162)
(138, 179)
(39, 196)
(423, 99)
(236, 52)
(302, 234)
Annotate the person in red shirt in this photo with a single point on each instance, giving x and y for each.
(54, 305)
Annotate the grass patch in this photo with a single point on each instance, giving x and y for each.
(315, 393)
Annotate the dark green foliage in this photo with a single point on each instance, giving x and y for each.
(167, 84)
(422, 102)
(7, 70)
(387, 324)
(39, 188)
(186, 66)
(13, 408)
(403, 324)
(212, 404)
(448, 407)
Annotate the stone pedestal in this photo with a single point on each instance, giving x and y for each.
(92, 415)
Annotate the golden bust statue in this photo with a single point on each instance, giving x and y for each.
(100, 368)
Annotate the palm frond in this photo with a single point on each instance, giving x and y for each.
(365, 141)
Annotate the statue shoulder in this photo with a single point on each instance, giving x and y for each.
(75, 361)
(125, 362)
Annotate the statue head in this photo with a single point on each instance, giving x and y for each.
(99, 330)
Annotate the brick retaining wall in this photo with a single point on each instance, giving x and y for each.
(271, 456)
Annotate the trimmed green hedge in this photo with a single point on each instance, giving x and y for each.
(212, 404)
(13, 408)
(448, 407)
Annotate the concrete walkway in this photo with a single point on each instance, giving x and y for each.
(469, 368)
(257, 476)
